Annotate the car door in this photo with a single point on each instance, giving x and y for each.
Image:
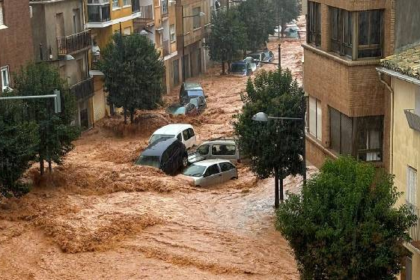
(192, 136)
(212, 175)
(228, 171)
(186, 138)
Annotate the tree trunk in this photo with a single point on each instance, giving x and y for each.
(281, 185)
(132, 116)
(125, 115)
(41, 165)
(50, 166)
(223, 68)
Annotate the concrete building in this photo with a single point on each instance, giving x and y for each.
(347, 104)
(59, 37)
(401, 75)
(193, 23)
(104, 18)
(15, 39)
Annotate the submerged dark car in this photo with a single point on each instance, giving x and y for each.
(169, 155)
(192, 90)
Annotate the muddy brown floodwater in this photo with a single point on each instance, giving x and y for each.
(98, 216)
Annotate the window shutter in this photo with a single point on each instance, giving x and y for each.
(312, 116)
(318, 120)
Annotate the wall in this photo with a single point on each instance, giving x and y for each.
(16, 40)
(407, 28)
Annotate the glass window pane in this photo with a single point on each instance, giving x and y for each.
(363, 28)
(312, 116)
(375, 27)
(335, 130)
(346, 135)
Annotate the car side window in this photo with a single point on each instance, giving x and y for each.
(185, 135)
(212, 170)
(203, 150)
(222, 149)
(179, 137)
(230, 150)
(226, 166)
(191, 132)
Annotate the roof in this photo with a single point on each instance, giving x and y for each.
(158, 147)
(220, 141)
(209, 162)
(172, 129)
(406, 62)
(192, 86)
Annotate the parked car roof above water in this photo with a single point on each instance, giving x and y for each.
(192, 86)
(172, 129)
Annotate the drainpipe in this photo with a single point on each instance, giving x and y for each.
(391, 91)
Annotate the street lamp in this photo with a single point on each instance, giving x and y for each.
(263, 117)
(201, 14)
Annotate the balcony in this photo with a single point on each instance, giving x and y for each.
(413, 119)
(83, 90)
(99, 13)
(74, 43)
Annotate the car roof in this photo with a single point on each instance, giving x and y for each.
(256, 53)
(230, 142)
(209, 162)
(192, 86)
(158, 147)
(172, 129)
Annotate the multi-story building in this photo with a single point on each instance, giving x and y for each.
(60, 38)
(104, 18)
(400, 73)
(15, 39)
(193, 23)
(347, 104)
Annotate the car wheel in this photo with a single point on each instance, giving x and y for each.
(184, 161)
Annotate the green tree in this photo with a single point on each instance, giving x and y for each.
(55, 131)
(18, 146)
(344, 224)
(133, 73)
(286, 11)
(259, 20)
(275, 147)
(227, 37)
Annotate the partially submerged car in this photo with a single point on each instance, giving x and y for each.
(212, 171)
(216, 149)
(269, 56)
(243, 68)
(189, 91)
(258, 57)
(178, 109)
(183, 132)
(169, 155)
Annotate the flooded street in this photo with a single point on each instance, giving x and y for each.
(98, 216)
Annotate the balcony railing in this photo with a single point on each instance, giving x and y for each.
(164, 5)
(413, 119)
(415, 230)
(83, 90)
(166, 48)
(99, 13)
(74, 43)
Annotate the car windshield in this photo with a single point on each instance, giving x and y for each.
(160, 136)
(238, 67)
(192, 93)
(149, 161)
(195, 170)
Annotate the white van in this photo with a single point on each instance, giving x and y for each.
(183, 132)
(216, 149)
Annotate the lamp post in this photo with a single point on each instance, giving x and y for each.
(263, 117)
(201, 14)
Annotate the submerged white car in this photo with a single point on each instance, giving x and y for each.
(211, 172)
(183, 132)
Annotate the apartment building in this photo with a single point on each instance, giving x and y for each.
(15, 39)
(193, 24)
(60, 38)
(347, 104)
(400, 73)
(104, 18)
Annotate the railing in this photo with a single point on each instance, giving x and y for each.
(415, 230)
(164, 5)
(413, 119)
(99, 13)
(73, 43)
(166, 48)
(83, 90)
(370, 155)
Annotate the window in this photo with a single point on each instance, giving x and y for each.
(186, 135)
(179, 137)
(314, 23)
(341, 133)
(190, 133)
(212, 170)
(115, 4)
(361, 28)
(172, 32)
(126, 3)
(315, 118)
(5, 82)
(370, 29)
(196, 18)
(203, 150)
(164, 4)
(127, 31)
(226, 166)
(412, 186)
(341, 32)
(2, 22)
